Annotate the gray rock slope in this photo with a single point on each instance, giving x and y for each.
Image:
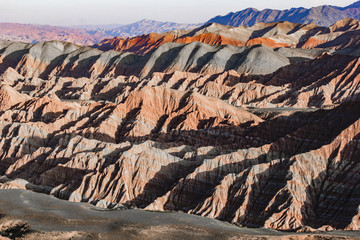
(65, 59)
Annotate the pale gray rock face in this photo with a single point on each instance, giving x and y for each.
(64, 59)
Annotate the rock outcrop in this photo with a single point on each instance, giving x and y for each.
(54, 58)
(177, 130)
(341, 35)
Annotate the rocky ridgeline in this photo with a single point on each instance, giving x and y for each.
(81, 73)
(324, 15)
(342, 36)
(116, 129)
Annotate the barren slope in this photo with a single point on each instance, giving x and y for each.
(341, 35)
(64, 59)
(187, 128)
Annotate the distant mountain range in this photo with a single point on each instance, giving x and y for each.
(322, 15)
(89, 35)
(32, 33)
(144, 26)
(84, 35)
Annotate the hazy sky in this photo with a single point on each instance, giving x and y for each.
(75, 12)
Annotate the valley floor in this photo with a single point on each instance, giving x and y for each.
(52, 218)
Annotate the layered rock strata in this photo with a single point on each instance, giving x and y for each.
(278, 150)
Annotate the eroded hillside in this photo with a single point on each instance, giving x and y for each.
(242, 134)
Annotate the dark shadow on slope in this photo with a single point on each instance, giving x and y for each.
(109, 67)
(99, 116)
(178, 84)
(12, 60)
(110, 95)
(270, 183)
(163, 62)
(58, 61)
(160, 124)
(127, 124)
(84, 67)
(130, 64)
(302, 74)
(68, 178)
(202, 61)
(286, 147)
(261, 32)
(349, 39)
(165, 79)
(310, 82)
(316, 128)
(333, 198)
(235, 60)
(310, 33)
(66, 70)
(190, 194)
(7, 160)
(163, 181)
(317, 100)
(298, 133)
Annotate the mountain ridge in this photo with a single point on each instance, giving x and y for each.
(275, 34)
(324, 15)
(255, 150)
(86, 35)
(144, 26)
(256, 126)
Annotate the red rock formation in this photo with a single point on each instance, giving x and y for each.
(267, 42)
(141, 44)
(312, 42)
(210, 38)
(146, 43)
(277, 150)
(253, 177)
(279, 34)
